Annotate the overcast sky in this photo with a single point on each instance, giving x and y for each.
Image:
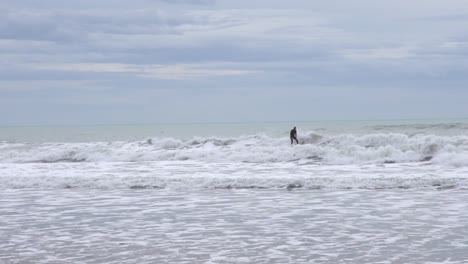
(149, 61)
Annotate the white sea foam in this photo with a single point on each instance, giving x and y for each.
(196, 175)
(387, 195)
(239, 226)
(369, 161)
(321, 149)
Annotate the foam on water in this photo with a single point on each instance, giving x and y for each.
(380, 158)
(385, 194)
(236, 226)
(189, 175)
(322, 149)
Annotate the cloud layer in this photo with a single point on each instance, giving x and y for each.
(188, 61)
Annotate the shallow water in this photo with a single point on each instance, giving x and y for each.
(233, 226)
(189, 176)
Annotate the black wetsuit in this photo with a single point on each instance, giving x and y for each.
(293, 136)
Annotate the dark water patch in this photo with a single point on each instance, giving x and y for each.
(139, 187)
(314, 157)
(428, 158)
(404, 187)
(65, 160)
(233, 187)
(446, 187)
(293, 186)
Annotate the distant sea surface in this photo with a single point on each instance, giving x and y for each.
(350, 192)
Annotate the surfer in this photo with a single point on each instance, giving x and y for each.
(293, 136)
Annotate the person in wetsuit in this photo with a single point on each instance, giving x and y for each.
(293, 136)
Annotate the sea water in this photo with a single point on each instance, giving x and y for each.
(350, 192)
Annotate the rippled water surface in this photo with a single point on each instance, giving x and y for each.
(233, 226)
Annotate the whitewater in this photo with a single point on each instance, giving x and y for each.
(376, 159)
(350, 192)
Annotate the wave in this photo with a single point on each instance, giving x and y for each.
(378, 148)
(197, 175)
(103, 183)
(424, 127)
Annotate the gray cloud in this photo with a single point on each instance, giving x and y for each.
(336, 59)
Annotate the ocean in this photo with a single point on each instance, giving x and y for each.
(350, 192)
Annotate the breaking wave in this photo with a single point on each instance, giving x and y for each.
(378, 148)
(187, 182)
